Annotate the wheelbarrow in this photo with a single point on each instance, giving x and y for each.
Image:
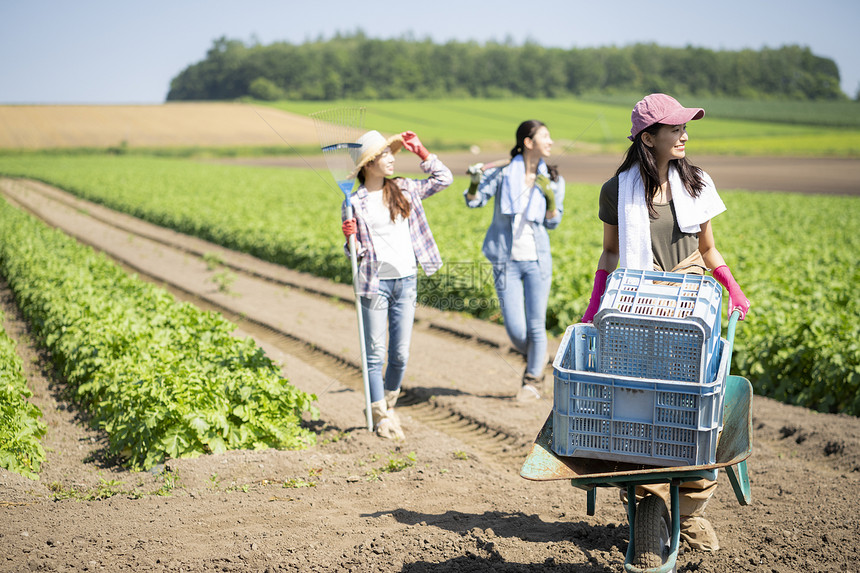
(650, 534)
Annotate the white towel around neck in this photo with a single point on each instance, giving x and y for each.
(517, 198)
(634, 224)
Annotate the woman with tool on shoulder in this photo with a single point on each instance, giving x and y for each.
(392, 238)
(529, 196)
(656, 214)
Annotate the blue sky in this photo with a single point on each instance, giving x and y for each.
(113, 52)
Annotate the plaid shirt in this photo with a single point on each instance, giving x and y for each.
(423, 244)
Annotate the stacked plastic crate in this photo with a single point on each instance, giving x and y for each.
(644, 384)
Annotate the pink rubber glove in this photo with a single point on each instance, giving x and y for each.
(413, 144)
(349, 227)
(737, 300)
(599, 286)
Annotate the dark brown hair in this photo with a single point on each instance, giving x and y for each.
(392, 196)
(640, 153)
(528, 129)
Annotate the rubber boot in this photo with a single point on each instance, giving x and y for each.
(530, 389)
(698, 532)
(382, 424)
(390, 400)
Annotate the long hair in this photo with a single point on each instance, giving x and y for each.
(392, 196)
(640, 153)
(528, 129)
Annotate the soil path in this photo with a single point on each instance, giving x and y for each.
(834, 175)
(460, 507)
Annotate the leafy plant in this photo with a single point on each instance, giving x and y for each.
(170, 481)
(213, 261)
(224, 279)
(161, 378)
(297, 483)
(107, 489)
(400, 463)
(20, 426)
(244, 488)
(395, 463)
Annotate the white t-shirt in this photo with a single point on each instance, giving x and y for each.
(524, 247)
(391, 239)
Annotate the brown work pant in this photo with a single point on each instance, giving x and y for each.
(694, 265)
(693, 496)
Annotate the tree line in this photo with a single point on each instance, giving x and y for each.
(355, 66)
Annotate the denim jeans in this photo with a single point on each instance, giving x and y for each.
(523, 296)
(392, 308)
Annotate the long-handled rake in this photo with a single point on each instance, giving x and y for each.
(338, 130)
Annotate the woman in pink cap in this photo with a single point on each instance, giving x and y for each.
(656, 214)
(392, 239)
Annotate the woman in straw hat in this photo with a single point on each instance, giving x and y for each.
(392, 238)
(656, 214)
(528, 201)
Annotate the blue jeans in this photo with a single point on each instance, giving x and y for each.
(391, 309)
(523, 296)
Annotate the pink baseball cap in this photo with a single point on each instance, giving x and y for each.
(661, 108)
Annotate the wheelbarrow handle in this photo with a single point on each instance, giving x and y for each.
(730, 334)
(733, 322)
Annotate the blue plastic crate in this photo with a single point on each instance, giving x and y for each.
(659, 325)
(635, 420)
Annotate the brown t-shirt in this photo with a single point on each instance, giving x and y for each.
(668, 244)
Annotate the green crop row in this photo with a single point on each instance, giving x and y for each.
(161, 378)
(794, 255)
(20, 426)
(841, 114)
(730, 127)
(798, 254)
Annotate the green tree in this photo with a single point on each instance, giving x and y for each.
(265, 89)
(355, 66)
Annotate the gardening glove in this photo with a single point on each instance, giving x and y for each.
(413, 144)
(542, 182)
(474, 172)
(737, 300)
(349, 227)
(597, 292)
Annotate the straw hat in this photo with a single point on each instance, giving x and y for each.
(370, 146)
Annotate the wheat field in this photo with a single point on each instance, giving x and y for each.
(162, 125)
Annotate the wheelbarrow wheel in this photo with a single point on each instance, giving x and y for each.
(651, 533)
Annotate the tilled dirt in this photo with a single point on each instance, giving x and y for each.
(461, 506)
(819, 175)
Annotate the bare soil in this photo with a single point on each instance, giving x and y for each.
(817, 175)
(461, 506)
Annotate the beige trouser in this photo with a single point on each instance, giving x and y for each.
(694, 265)
(693, 496)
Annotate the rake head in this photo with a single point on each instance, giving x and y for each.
(338, 130)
